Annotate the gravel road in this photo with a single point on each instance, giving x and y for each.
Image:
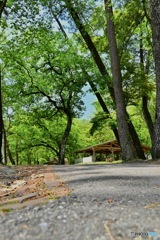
(107, 202)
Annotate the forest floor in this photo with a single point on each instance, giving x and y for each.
(22, 186)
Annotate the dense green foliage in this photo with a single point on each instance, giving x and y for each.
(46, 62)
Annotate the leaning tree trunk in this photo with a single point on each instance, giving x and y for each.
(128, 149)
(4, 147)
(135, 139)
(155, 24)
(147, 117)
(64, 139)
(17, 154)
(144, 71)
(9, 153)
(2, 6)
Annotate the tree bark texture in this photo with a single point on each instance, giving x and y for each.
(2, 7)
(64, 140)
(17, 154)
(9, 153)
(1, 118)
(128, 149)
(155, 24)
(135, 140)
(4, 147)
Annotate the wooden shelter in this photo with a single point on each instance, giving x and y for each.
(109, 147)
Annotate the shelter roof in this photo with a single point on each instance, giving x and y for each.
(111, 146)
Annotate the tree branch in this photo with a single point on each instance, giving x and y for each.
(145, 11)
(2, 7)
(28, 72)
(41, 144)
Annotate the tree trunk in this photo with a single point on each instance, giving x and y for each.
(64, 139)
(2, 7)
(145, 109)
(29, 160)
(4, 147)
(128, 149)
(17, 155)
(1, 118)
(147, 117)
(136, 141)
(10, 154)
(155, 24)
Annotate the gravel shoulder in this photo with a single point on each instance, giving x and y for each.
(107, 202)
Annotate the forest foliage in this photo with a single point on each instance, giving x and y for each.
(52, 51)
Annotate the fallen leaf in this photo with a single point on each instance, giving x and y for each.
(110, 200)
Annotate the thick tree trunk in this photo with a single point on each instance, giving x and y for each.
(128, 149)
(155, 24)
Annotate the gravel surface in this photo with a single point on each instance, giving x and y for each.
(107, 202)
